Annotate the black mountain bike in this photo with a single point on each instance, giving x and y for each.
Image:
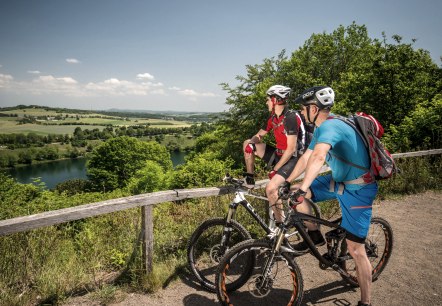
(214, 237)
(276, 279)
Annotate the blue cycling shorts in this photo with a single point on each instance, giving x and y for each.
(356, 205)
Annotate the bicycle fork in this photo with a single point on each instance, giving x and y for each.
(264, 278)
(227, 230)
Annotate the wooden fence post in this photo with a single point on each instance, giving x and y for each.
(147, 243)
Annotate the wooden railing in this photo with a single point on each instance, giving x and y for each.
(146, 201)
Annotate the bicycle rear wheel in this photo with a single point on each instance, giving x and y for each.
(204, 249)
(378, 245)
(283, 285)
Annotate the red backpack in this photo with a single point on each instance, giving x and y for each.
(382, 165)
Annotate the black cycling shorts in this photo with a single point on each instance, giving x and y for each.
(285, 170)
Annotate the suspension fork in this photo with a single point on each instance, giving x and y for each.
(270, 260)
(227, 230)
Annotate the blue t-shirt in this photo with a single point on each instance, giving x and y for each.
(346, 143)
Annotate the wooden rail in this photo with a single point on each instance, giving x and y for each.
(146, 201)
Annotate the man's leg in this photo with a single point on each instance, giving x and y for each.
(363, 268)
(305, 208)
(272, 196)
(249, 159)
(356, 207)
(318, 191)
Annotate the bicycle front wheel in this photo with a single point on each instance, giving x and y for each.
(206, 247)
(274, 279)
(378, 245)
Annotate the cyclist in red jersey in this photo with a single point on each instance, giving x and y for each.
(290, 134)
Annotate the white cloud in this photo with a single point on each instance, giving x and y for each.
(48, 84)
(68, 86)
(34, 72)
(1, 66)
(5, 80)
(150, 84)
(48, 79)
(72, 61)
(195, 94)
(118, 87)
(145, 76)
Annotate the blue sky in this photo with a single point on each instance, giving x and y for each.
(170, 54)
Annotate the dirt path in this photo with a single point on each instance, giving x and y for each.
(412, 277)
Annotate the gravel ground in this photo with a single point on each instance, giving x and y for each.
(413, 275)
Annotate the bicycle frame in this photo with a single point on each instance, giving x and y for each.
(240, 199)
(296, 219)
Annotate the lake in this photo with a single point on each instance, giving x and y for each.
(52, 173)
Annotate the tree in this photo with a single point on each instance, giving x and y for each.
(115, 161)
(420, 130)
(387, 80)
(78, 133)
(201, 170)
(150, 178)
(26, 156)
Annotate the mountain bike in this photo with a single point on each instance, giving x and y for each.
(214, 237)
(276, 279)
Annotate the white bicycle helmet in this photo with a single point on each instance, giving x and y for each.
(280, 91)
(321, 96)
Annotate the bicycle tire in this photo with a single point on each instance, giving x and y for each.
(283, 287)
(375, 244)
(315, 208)
(202, 252)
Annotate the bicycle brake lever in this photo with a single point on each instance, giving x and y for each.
(227, 177)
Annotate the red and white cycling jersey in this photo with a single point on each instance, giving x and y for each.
(290, 122)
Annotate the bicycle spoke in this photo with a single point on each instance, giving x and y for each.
(205, 250)
(378, 246)
(278, 287)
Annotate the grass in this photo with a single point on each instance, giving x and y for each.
(9, 125)
(43, 112)
(56, 261)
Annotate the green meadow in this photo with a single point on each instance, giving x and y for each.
(69, 123)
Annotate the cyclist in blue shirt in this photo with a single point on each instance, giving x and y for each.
(334, 142)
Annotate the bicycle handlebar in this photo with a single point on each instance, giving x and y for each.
(239, 184)
(231, 180)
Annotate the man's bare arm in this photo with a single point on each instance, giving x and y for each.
(300, 166)
(314, 164)
(257, 138)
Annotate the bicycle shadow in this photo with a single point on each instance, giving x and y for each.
(189, 280)
(324, 294)
(199, 300)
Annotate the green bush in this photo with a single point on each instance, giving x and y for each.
(202, 170)
(150, 178)
(113, 163)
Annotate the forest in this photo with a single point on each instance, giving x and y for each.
(388, 78)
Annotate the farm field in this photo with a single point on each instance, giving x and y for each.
(13, 127)
(85, 121)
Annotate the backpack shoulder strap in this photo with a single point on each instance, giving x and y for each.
(351, 122)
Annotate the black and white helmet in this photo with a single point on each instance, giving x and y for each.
(321, 96)
(280, 91)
